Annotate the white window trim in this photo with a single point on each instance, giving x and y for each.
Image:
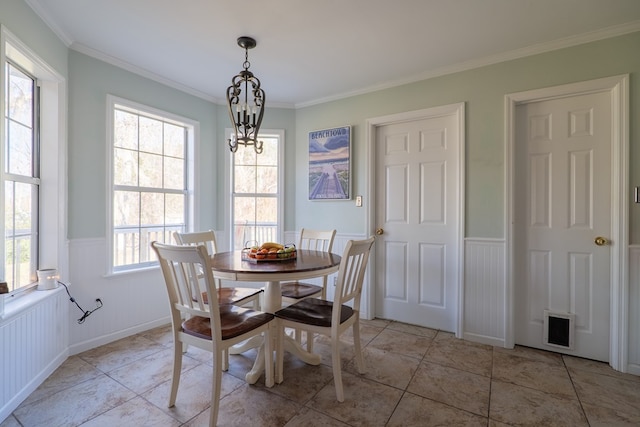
(53, 243)
(193, 164)
(228, 184)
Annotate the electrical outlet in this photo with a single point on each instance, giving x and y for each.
(359, 201)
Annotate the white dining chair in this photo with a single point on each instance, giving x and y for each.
(209, 326)
(293, 292)
(226, 294)
(331, 318)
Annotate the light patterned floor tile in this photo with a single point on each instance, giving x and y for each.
(385, 367)
(119, 353)
(522, 406)
(414, 410)
(460, 389)
(72, 372)
(608, 392)
(533, 374)
(308, 417)
(135, 412)
(401, 343)
(448, 350)
(75, 405)
(194, 392)
(149, 372)
(413, 376)
(366, 404)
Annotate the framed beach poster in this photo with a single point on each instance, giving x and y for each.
(330, 164)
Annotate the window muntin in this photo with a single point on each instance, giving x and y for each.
(256, 196)
(20, 177)
(150, 185)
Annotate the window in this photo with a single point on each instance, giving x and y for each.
(150, 181)
(20, 177)
(256, 182)
(33, 160)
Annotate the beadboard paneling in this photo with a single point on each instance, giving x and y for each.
(33, 344)
(484, 291)
(633, 365)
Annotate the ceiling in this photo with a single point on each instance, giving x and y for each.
(311, 51)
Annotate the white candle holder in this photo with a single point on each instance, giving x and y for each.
(47, 279)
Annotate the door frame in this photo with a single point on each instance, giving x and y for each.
(618, 89)
(371, 126)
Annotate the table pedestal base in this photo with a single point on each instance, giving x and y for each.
(290, 345)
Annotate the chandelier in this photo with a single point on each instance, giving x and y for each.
(245, 112)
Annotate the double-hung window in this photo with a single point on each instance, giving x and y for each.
(257, 191)
(33, 190)
(151, 178)
(20, 177)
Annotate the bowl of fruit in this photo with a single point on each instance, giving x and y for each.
(269, 251)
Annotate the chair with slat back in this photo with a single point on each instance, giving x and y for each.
(293, 292)
(209, 325)
(226, 294)
(314, 240)
(331, 318)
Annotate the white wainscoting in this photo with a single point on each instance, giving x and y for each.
(132, 302)
(484, 291)
(33, 344)
(633, 365)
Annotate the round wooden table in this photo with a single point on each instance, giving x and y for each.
(307, 265)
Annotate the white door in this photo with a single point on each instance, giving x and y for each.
(562, 203)
(418, 215)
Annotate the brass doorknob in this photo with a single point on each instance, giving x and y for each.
(379, 231)
(600, 241)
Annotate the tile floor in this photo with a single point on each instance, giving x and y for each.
(415, 377)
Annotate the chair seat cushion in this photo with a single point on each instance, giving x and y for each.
(234, 321)
(313, 311)
(232, 295)
(297, 290)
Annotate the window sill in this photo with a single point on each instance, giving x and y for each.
(123, 273)
(13, 305)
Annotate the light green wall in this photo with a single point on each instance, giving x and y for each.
(27, 26)
(90, 81)
(483, 91)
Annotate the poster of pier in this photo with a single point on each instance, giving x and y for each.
(330, 164)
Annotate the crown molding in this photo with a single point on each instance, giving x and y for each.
(44, 14)
(592, 36)
(78, 47)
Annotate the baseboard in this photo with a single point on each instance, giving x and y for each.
(482, 339)
(109, 338)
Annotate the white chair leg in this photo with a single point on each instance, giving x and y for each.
(310, 341)
(268, 354)
(225, 360)
(175, 375)
(337, 370)
(215, 388)
(279, 333)
(358, 347)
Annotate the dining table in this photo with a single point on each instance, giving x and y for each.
(307, 264)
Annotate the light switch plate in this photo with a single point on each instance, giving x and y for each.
(359, 201)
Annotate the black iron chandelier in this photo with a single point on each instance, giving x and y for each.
(245, 113)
